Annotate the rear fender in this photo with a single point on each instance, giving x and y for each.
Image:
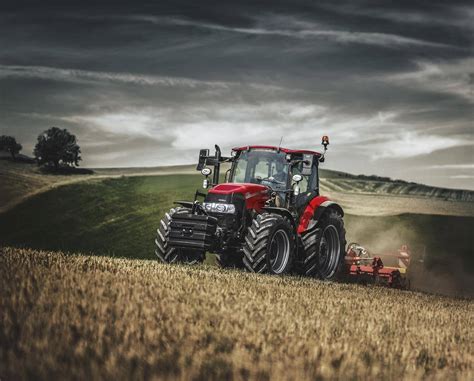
(314, 211)
(282, 212)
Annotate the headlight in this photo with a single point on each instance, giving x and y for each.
(215, 207)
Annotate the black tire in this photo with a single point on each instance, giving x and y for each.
(325, 248)
(230, 259)
(269, 245)
(168, 254)
(397, 281)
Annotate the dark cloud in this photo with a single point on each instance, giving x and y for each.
(149, 83)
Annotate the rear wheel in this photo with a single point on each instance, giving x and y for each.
(269, 245)
(169, 254)
(324, 247)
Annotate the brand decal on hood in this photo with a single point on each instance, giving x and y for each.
(250, 195)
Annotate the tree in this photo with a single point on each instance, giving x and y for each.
(57, 147)
(9, 143)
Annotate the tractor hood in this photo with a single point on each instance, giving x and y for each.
(248, 190)
(255, 195)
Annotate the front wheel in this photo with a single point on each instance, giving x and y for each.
(168, 254)
(324, 247)
(269, 245)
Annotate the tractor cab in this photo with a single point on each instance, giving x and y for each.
(291, 176)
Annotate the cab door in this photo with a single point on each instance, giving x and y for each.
(309, 185)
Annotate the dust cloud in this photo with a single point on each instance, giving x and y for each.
(441, 248)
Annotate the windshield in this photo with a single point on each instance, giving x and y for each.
(268, 168)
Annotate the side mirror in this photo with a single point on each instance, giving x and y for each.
(296, 189)
(307, 165)
(297, 178)
(203, 155)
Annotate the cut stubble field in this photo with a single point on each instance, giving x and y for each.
(81, 317)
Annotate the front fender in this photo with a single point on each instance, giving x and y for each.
(186, 204)
(315, 210)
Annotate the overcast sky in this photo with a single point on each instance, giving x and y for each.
(146, 85)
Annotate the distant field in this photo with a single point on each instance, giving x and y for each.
(346, 182)
(83, 317)
(118, 217)
(19, 181)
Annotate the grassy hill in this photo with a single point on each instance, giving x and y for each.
(20, 180)
(80, 317)
(115, 216)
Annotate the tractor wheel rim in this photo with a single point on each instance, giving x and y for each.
(279, 251)
(329, 251)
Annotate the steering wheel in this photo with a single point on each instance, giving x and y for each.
(270, 179)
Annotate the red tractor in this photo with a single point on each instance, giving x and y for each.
(267, 215)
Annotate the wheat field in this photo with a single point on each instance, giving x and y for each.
(84, 317)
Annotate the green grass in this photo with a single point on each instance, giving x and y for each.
(118, 217)
(115, 217)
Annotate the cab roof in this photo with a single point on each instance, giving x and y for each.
(285, 150)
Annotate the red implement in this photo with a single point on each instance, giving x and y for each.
(364, 268)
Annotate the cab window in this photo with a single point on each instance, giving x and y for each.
(240, 171)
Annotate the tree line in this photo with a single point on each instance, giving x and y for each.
(55, 147)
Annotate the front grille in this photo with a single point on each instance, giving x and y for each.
(225, 221)
(228, 222)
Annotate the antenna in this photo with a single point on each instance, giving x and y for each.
(279, 145)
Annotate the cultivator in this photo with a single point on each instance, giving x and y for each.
(364, 267)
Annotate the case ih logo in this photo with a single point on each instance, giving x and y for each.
(250, 195)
